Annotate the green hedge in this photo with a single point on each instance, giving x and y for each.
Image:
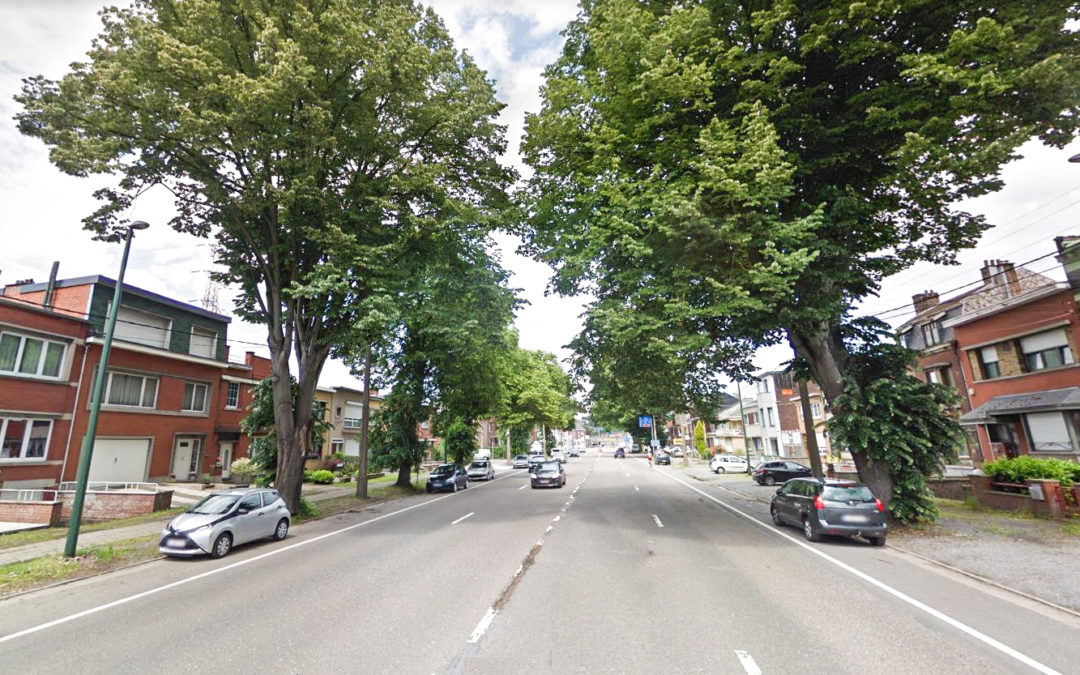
(1019, 469)
(322, 477)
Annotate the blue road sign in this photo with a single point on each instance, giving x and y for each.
(644, 421)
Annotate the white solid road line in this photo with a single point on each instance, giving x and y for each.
(980, 636)
(482, 627)
(239, 563)
(471, 513)
(637, 489)
(524, 486)
(657, 519)
(748, 663)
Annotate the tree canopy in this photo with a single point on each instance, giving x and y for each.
(318, 144)
(724, 176)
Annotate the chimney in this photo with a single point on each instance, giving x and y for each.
(1010, 277)
(924, 301)
(48, 303)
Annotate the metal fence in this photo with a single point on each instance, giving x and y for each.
(27, 495)
(111, 486)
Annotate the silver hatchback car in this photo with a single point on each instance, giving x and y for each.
(223, 520)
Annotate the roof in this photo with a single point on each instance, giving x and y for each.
(38, 309)
(97, 279)
(1015, 404)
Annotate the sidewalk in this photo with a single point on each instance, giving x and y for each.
(188, 493)
(1030, 556)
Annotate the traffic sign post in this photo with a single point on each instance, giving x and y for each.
(644, 421)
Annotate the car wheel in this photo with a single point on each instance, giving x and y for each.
(877, 541)
(428, 489)
(466, 483)
(222, 546)
(282, 529)
(454, 488)
(776, 519)
(720, 469)
(808, 530)
(770, 481)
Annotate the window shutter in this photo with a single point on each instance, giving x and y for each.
(989, 354)
(1043, 341)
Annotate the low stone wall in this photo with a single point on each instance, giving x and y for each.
(30, 512)
(111, 505)
(958, 487)
(1045, 498)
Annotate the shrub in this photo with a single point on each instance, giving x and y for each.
(307, 509)
(1019, 469)
(243, 470)
(322, 477)
(307, 475)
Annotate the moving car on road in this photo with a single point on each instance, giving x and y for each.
(549, 474)
(449, 478)
(829, 506)
(521, 462)
(535, 461)
(663, 458)
(560, 456)
(224, 519)
(771, 473)
(725, 463)
(481, 469)
(620, 454)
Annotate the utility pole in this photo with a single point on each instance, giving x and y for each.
(742, 420)
(543, 436)
(508, 459)
(365, 412)
(811, 432)
(83, 474)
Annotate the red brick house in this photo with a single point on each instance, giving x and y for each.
(235, 394)
(1019, 356)
(166, 371)
(41, 356)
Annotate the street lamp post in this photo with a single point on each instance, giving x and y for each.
(95, 401)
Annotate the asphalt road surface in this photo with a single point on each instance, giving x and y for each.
(627, 569)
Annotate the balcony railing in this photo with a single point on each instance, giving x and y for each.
(351, 423)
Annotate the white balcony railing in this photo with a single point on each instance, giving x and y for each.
(350, 423)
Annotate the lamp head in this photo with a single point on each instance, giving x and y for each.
(139, 225)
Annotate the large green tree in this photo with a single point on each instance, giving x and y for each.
(444, 362)
(317, 142)
(748, 171)
(536, 392)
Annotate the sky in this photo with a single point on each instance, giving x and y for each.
(513, 40)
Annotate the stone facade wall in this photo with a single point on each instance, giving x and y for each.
(30, 512)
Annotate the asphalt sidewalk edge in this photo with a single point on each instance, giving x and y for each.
(943, 565)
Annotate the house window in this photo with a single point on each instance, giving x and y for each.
(751, 418)
(772, 420)
(337, 445)
(314, 450)
(232, 395)
(939, 376)
(815, 409)
(931, 333)
(23, 355)
(136, 391)
(142, 328)
(1049, 432)
(24, 438)
(1046, 350)
(203, 342)
(988, 362)
(194, 397)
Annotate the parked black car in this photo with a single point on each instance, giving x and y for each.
(771, 473)
(830, 506)
(549, 474)
(448, 478)
(663, 458)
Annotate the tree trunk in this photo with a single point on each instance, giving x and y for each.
(289, 462)
(811, 433)
(365, 412)
(404, 479)
(826, 356)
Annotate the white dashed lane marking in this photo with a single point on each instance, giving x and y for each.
(657, 519)
(472, 513)
(748, 663)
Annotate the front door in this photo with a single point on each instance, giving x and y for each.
(225, 453)
(183, 452)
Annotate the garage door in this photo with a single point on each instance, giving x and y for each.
(120, 459)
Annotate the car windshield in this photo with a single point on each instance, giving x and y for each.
(443, 470)
(859, 493)
(478, 465)
(520, 457)
(548, 469)
(214, 504)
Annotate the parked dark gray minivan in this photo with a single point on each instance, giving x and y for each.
(830, 506)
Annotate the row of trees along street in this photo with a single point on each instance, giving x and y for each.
(343, 159)
(719, 179)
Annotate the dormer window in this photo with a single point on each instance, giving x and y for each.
(931, 333)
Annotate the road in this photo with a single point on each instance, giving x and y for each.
(628, 569)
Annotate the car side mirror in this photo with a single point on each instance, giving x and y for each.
(242, 510)
(779, 490)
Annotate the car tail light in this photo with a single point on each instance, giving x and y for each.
(880, 506)
(818, 504)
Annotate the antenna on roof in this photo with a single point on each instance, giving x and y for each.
(210, 297)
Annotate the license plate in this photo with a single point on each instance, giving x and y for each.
(856, 518)
(176, 543)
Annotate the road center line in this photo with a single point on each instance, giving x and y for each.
(941, 616)
(657, 519)
(471, 513)
(482, 627)
(748, 663)
(524, 486)
(239, 563)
